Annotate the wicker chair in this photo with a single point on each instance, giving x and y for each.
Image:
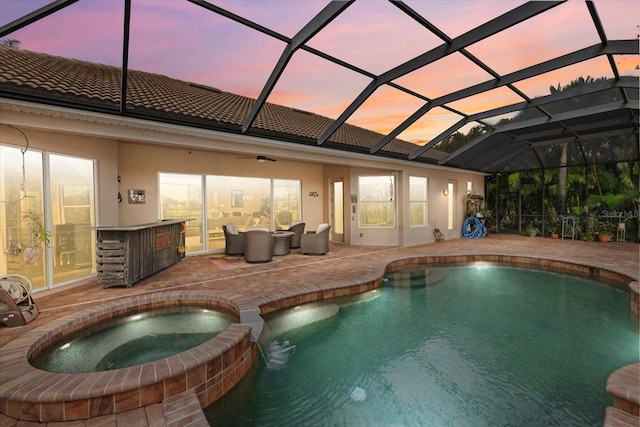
(315, 242)
(298, 229)
(258, 246)
(233, 240)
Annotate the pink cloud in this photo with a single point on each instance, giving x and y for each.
(459, 16)
(385, 110)
(270, 13)
(447, 75)
(539, 85)
(429, 126)
(92, 32)
(312, 84)
(375, 36)
(556, 32)
(485, 101)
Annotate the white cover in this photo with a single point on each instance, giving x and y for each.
(322, 227)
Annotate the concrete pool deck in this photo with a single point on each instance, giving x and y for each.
(297, 278)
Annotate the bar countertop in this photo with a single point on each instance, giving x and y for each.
(141, 226)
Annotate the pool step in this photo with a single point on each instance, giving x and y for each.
(180, 410)
(615, 417)
(624, 385)
(184, 410)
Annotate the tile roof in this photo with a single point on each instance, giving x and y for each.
(84, 84)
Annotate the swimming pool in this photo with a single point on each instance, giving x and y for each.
(477, 345)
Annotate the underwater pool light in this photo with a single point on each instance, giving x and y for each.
(482, 265)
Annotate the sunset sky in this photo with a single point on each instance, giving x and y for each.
(182, 40)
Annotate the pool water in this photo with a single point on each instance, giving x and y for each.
(134, 340)
(457, 346)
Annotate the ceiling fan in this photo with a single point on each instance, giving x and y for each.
(260, 159)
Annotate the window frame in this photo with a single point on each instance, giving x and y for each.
(232, 186)
(387, 189)
(424, 202)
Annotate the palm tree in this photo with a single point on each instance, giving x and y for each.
(562, 176)
(12, 43)
(458, 139)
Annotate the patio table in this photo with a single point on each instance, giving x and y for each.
(281, 242)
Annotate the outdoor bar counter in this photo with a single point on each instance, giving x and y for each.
(125, 255)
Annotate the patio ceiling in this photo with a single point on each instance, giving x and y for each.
(427, 72)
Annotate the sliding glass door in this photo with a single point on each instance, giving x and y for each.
(181, 198)
(22, 195)
(72, 216)
(215, 200)
(47, 209)
(244, 202)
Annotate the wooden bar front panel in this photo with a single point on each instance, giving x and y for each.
(128, 254)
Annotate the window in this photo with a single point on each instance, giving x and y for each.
(286, 202)
(72, 215)
(181, 197)
(417, 201)
(377, 206)
(245, 202)
(337, 203)
(450, 206)
(242, 201)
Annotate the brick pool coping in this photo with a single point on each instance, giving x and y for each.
(210, 369)
(26, 394)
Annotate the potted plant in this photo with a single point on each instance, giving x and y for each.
(552, 222)
(587, 235)
(603, 229)
(181, 249)
(486, 213)
(438, 234)
(485, 217)
(37, 235)
(531, 230)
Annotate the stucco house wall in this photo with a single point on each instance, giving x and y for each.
(103, 150)
(137, 151)
(139, 165)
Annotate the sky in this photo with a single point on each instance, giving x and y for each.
(185, 41)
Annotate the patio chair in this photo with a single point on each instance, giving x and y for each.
(298, 229)
(65, 244)
(283, 220)
(258, 246)
(315, 242)
(233, 240)
(569, 227)
(16, 305)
